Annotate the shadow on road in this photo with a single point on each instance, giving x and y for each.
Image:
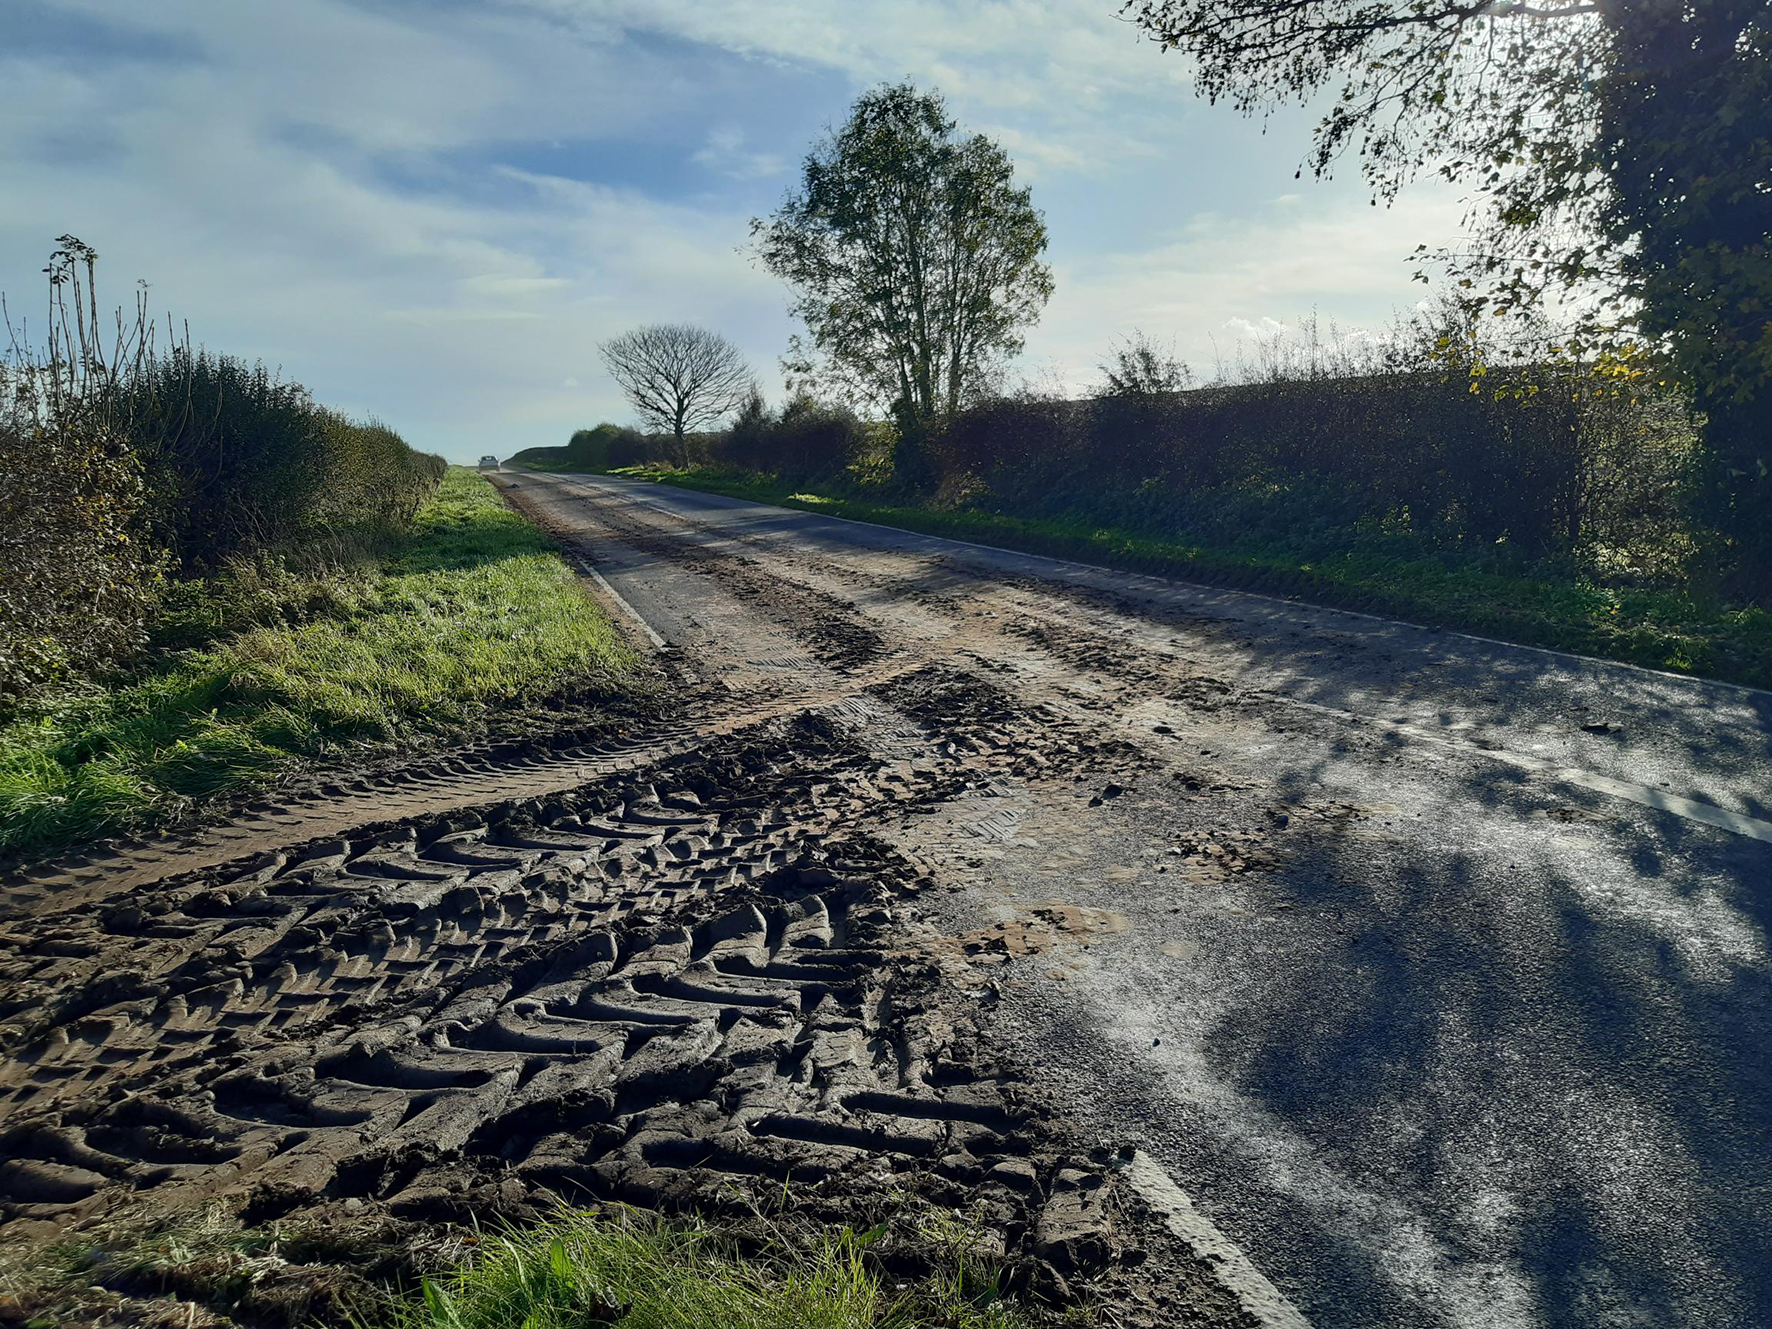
(1559, 1045)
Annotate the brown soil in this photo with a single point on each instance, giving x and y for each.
(677, 961)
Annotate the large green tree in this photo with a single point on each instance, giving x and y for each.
(1620, 152)
(914, 259)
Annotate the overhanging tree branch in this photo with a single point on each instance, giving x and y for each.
(1621, 160)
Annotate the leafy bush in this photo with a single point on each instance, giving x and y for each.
(811, 438)
(373, 483)
(235, 456)
(122, 461)
(608, 446)
(1011, 442)
(746, 444)
(1542, 461)
(807, 438)
(604, 448)
(78, 580)
(242, 461)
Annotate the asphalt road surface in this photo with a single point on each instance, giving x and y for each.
(1434, 969)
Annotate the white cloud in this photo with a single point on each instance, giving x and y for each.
(724, 153)
(1219, 281)
(1066, 66)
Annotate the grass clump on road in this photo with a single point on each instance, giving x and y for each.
(264, 670)
(631, 1271)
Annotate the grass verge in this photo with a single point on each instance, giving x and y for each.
(620, 1268)
(266, 672)
(631, 1271)
(203, 1268)
(1658, 628)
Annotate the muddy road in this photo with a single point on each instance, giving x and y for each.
(1434, 970)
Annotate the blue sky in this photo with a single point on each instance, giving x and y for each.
(433, 210)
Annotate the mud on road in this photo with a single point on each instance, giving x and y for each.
(949, 879)
(686, 983)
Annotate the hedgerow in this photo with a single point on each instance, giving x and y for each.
(127, 466)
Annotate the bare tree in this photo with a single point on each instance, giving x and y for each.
(680, 378)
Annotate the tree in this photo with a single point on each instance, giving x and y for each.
(1684, 136)
(914, 259)
(1621, 152)
(1139, 368)
(679, 378)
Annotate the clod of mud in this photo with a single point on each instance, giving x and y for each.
(1034, 930)
(1076, 1231)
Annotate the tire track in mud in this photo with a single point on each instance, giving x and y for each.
(427, 786)
(950, 611)
(677, 968)
(703, 974)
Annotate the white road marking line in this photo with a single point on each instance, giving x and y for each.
(585, 566)
(658, 642)
(1258, 1299)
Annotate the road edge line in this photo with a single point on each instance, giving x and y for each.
(584, 566)
(1263, 1305)
(504, 483)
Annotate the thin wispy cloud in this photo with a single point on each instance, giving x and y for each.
(725, 154)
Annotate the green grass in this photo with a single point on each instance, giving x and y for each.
(620, 1269)
(471, 609)
(1659, 628)
(132, 1269)
(630, 1271)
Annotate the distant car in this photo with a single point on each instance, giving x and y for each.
(489, 463)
